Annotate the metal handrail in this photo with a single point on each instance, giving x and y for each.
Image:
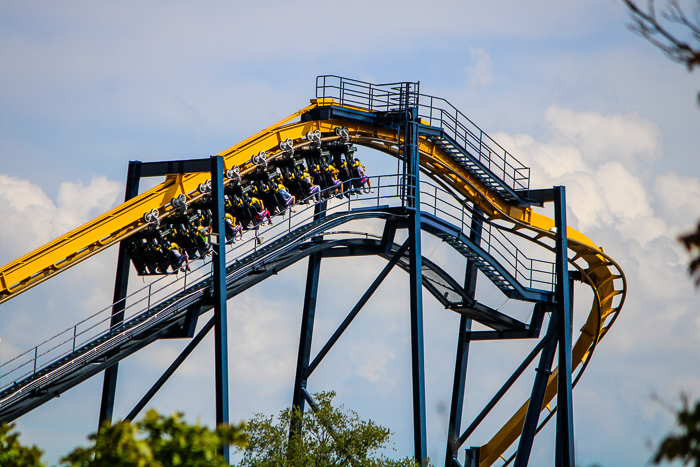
(433, 111)
(530, 272)
(386, 187)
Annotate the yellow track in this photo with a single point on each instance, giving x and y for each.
(598, 270)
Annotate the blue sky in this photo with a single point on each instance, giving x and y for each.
(564, 86)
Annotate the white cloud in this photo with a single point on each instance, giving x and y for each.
(596, 157)
(679, 198)
(31, 218)
(602, 160)
(480, 70)
(372, 359)
(624, 138)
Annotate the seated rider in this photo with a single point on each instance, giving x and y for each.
(203, 237)
(345, 176)
(289, 200)
(233, 227)
(337, 184)
(363, 179)
(260, 212)
(181, 261)
(314, 190)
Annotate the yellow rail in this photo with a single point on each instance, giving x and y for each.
(598, 270)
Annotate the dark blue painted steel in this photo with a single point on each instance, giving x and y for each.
(565, 414)
(465, 326)
(307, 329)
(412, 172)
(307, 326)
(537, 398)
(171, 369)
(219, 278)
(439, 227)
(109, 388)
(506, 386)
(356, 309)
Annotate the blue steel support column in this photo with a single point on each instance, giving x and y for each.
(565, 414)
(219, 277)
(307, 327)
(539, 387)
(465, 325)
(416, 284)
(109, 387)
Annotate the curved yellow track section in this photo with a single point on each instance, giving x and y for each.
(598, 270)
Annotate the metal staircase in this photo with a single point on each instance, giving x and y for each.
(498, 279)
(440, 122)
(474, 167)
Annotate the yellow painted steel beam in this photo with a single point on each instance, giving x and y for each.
(126, 219)
(598, 270)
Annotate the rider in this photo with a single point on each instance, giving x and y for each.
(337, 184)
(314, 190)
(289, 200)
(260, 212)
(181, 261)
(363, 179)
(233, 228)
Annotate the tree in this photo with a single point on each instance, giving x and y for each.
(14, 454)
(326, 437)
(156, 441)
(666, 33)
(683, 446)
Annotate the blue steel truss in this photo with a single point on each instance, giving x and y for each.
(172, 310)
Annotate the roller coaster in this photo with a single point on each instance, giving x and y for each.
(453, 183)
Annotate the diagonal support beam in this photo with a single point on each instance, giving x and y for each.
(356, 309)
(506, 386)
(171, 369)
(539, 388)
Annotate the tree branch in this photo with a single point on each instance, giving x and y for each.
(646, 24)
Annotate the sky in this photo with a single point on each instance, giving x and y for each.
(564, 86)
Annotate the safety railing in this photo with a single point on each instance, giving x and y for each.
(391, 97)
(530, 272)
(385, 188)
(387, 191)
(432, 111)
(436, 111)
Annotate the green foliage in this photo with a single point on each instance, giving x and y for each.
(324, 437)
(174, 442)
(684, 446)
(156, 441)
(13, 454)
(114, 445)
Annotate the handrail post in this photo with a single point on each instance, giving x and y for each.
(435, 202)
